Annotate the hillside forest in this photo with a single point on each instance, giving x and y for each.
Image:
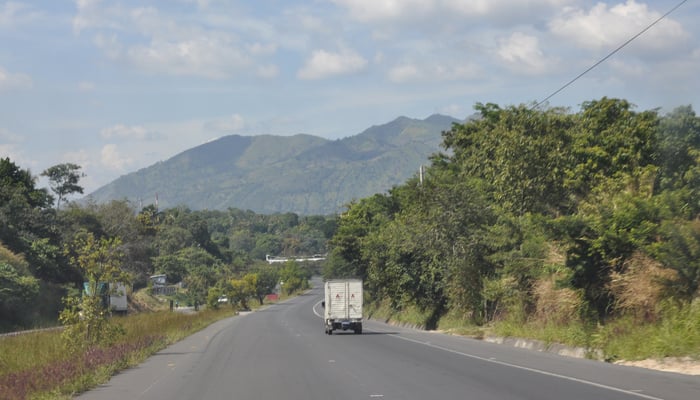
(539, 217)
(543, 216)
(42, 238)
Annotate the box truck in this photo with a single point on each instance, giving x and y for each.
(117, 298)
(342, 305)
(113, 295)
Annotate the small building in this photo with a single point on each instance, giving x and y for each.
(160, 285)
(158, 280)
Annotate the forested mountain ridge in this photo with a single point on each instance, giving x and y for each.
(302, 173)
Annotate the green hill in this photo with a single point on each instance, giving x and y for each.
(303, 174)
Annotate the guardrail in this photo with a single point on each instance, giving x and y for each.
(18, 333)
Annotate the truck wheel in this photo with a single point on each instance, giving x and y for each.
(358, 329)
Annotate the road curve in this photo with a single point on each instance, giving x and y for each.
(282, 352)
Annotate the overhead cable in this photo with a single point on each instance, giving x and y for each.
(609, 55)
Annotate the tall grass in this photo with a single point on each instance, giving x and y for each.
(38, 366)
(409, 315)
(574, 333)
(676, 334)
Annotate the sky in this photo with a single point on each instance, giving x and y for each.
(118, 85)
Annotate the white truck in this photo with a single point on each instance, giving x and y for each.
(342, 305)
(117, 298)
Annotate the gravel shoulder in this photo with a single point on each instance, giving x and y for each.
(684, 365)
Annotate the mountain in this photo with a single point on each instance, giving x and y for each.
(303, 174)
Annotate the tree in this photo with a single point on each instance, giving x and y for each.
(266, 281)
(17, 289)
(609, 139)
(85, 317)
(172, 265)
(679, 249)
(239, 292)
(28, 223)
(63, 180)
(293, 277)
(22, 207)
(362, 217)
(517, 151)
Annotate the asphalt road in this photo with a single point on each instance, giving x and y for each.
(282, 352)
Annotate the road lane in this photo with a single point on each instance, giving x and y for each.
(282, 352)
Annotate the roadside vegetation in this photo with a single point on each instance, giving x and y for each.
(57, 259)
(43, 365)
(53, 365)
(196, 250)
(580, 228)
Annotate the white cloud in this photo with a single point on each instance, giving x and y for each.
(407, 73)
(18, 156)
(86, 86)
(521, 54)
(109, 45)
(323, 64)
(14, 13)
(233, 123)
(81, 157)
(629, 69)
(380, 10)
(268, 71)
(90, 14)
(456, 72)
(454, 110)
(606, 27)
(403, 11)
(7, 150)
(404, 73)
(494, 8)
(310, 23)
(262, 49)
(111, 158)
(126, 132)
(206, 56)
(7, 136)
(14, 81)
(9, 12)
(157, 42)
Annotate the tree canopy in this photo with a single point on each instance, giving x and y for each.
(528, 205)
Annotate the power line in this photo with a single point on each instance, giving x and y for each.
(609, 55)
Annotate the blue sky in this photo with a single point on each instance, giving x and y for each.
(116, 86)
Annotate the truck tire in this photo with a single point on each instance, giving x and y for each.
(358, 329)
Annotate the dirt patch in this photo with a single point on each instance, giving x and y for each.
(683, 365)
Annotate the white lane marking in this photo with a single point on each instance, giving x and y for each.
(314, 308)
(538, 371)
(493, 360)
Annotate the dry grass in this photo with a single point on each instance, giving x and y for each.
(641, 287)
(556, 305)
(39, 363)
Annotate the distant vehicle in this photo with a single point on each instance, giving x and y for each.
(117, 298)
(342, 306)
(223, 299)
(113, 296)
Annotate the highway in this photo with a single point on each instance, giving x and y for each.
(282, 352)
